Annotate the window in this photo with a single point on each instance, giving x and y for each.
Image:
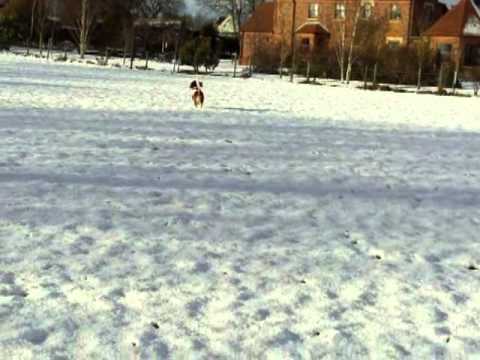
(428, 9)
(472, 55)
(444, 51)
(340, 11)
(313, 10)
(393, 44)
(395, 12)
(366, 11)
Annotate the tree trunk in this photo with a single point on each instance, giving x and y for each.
(134, 47)
(125, 52)
(50, 46)
(282, 59)
(308, 70)
(341, 54)
(41, 35)
(352, 43)
(40, 42)
(32, 26)
(83, 29)
(342, 69)
(440, 79)
(348, 72)
(375, 72)
(455, 77)
(294, 47)
(235, 64)
(177, 50)
(365, 77)
(419, 77)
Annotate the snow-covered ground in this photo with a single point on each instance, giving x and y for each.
(284, 221)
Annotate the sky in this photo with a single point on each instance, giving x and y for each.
(192, 7)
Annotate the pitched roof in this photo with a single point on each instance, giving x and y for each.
(261, 20)
(453, 22)
(312, 28)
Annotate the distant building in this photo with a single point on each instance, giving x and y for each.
(226, 27)
(317, 22)
(456, 35)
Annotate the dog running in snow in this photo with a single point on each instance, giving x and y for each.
(198, 96)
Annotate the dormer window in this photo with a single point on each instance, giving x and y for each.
(313, 11)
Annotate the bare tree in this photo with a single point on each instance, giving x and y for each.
(41, 21)
(355, 9)
(371, 35)
(424, 55)
(340, 41)
(457, 61)
(148, 13)
(84, 16)
(293, 42)
(38, 20)
(285, 47)
(123, 11)
(153, 8)
(32, 25)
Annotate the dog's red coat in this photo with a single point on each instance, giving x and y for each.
(198, 98)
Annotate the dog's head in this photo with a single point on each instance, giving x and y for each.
(195, 84)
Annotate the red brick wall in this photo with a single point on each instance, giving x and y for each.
(252, 42)
(327, 15)
(397, 29)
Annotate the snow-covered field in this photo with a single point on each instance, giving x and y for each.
(284, 221)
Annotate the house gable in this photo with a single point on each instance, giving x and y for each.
(462, 20)
(226, 27)
(472, 26)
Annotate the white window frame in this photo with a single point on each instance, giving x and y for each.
(395, 12)
(313, 10)
(340, 11)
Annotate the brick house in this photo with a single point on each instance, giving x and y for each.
(456, 35)
(317, 22)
